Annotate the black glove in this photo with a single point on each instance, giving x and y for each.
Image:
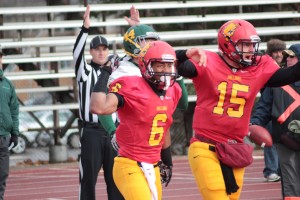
(113, 141)
(13, 141)
(165, 174)
(166, 166)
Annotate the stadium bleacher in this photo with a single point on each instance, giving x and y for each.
(139, 5)
(39, 46)
(13, 26)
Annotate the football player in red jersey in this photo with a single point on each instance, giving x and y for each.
(226, 89)
(145, 106)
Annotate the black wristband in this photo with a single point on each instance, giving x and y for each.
(166, 156)
(101, 84)
(107, 68)
(181, 55)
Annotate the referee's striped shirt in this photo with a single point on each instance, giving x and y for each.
(86, 77)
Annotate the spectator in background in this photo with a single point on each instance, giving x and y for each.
(96, 149)
(282, 108)
(9, 125)
(274, 49)
(271, 171)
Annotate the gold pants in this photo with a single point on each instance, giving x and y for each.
(206, 169)
(131, 182)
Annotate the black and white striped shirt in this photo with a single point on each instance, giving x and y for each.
(86, 77)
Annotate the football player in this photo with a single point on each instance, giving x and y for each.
(135, 38)
(226, 90)
(145, 106)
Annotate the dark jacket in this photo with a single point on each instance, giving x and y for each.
(282, 100)
(9, 108)
(263, 110)
(271, 105)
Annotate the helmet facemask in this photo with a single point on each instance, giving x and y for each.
(162, 80)
(142, 40)
(154, 58)
(244, 58)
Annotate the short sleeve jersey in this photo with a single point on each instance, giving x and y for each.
(225, 97)
(144, 118)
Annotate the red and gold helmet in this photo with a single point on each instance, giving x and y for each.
(239, 31)
(158, 51)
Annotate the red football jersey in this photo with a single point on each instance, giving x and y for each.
(225, 97)
(144, 118)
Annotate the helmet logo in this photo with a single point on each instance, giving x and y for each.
(129, 37)
(229, 30)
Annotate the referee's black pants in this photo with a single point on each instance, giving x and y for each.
(96, 152)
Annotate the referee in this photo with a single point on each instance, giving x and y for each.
(96, 149)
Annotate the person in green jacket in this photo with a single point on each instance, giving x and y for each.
(9, 125)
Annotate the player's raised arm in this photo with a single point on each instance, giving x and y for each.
(100, 102)
(134, 17)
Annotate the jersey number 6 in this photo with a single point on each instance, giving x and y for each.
(157, 131)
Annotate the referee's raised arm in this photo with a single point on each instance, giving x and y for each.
(96, 148)
(78, 50)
